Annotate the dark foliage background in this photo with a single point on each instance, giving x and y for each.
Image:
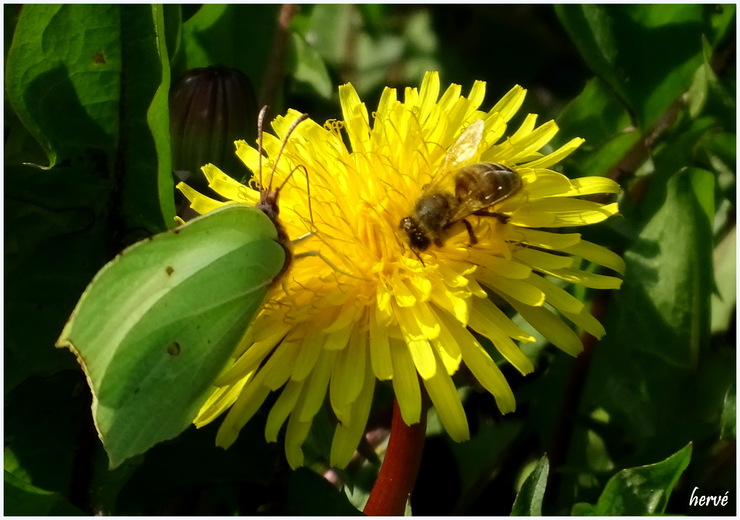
(651, 88)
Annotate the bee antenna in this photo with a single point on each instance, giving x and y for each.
(298, 121)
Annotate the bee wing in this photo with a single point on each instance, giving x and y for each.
(483, 185)
(467, 207)
(461, 151)
(466, 145)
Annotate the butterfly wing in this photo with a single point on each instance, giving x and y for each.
(160, 321)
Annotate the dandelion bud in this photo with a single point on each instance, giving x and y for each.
(210, 108)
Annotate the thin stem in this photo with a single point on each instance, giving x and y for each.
(563, 435)
(274, 72)
(400, 467)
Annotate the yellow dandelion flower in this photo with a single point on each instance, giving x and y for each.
(372, 308)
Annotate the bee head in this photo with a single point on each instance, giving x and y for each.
(418, 240)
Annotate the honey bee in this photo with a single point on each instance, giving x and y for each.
(477, 187)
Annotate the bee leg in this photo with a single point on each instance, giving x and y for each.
(500, 216)
(473, 238)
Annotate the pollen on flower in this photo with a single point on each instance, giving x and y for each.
(361, 305)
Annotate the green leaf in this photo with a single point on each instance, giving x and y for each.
(309, 69)
(55, 241)
(96, 77)
(144, 157)
(583, 509)
(483, 452)
(329, 26)
(614, 39)
(708, 95)
(158, 117)
(311, 494)
(159, 322)
(172, 28)
(721, 23)
(45, 420)
(528, 501)
(238, 36)
(171, 471)
(724, 301)
(422, 48)
(597, 115)
(24, 499)
(63, 76)
(728, 421)
(375, 55)
(643, 490)
(669, 272)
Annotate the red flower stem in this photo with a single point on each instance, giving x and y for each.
(400, 467)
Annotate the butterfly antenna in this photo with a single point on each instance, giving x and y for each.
(298, 121)
(260, 121)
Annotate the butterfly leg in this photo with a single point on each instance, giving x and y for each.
(327, 262)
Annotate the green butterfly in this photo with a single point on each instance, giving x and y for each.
(158, 323)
